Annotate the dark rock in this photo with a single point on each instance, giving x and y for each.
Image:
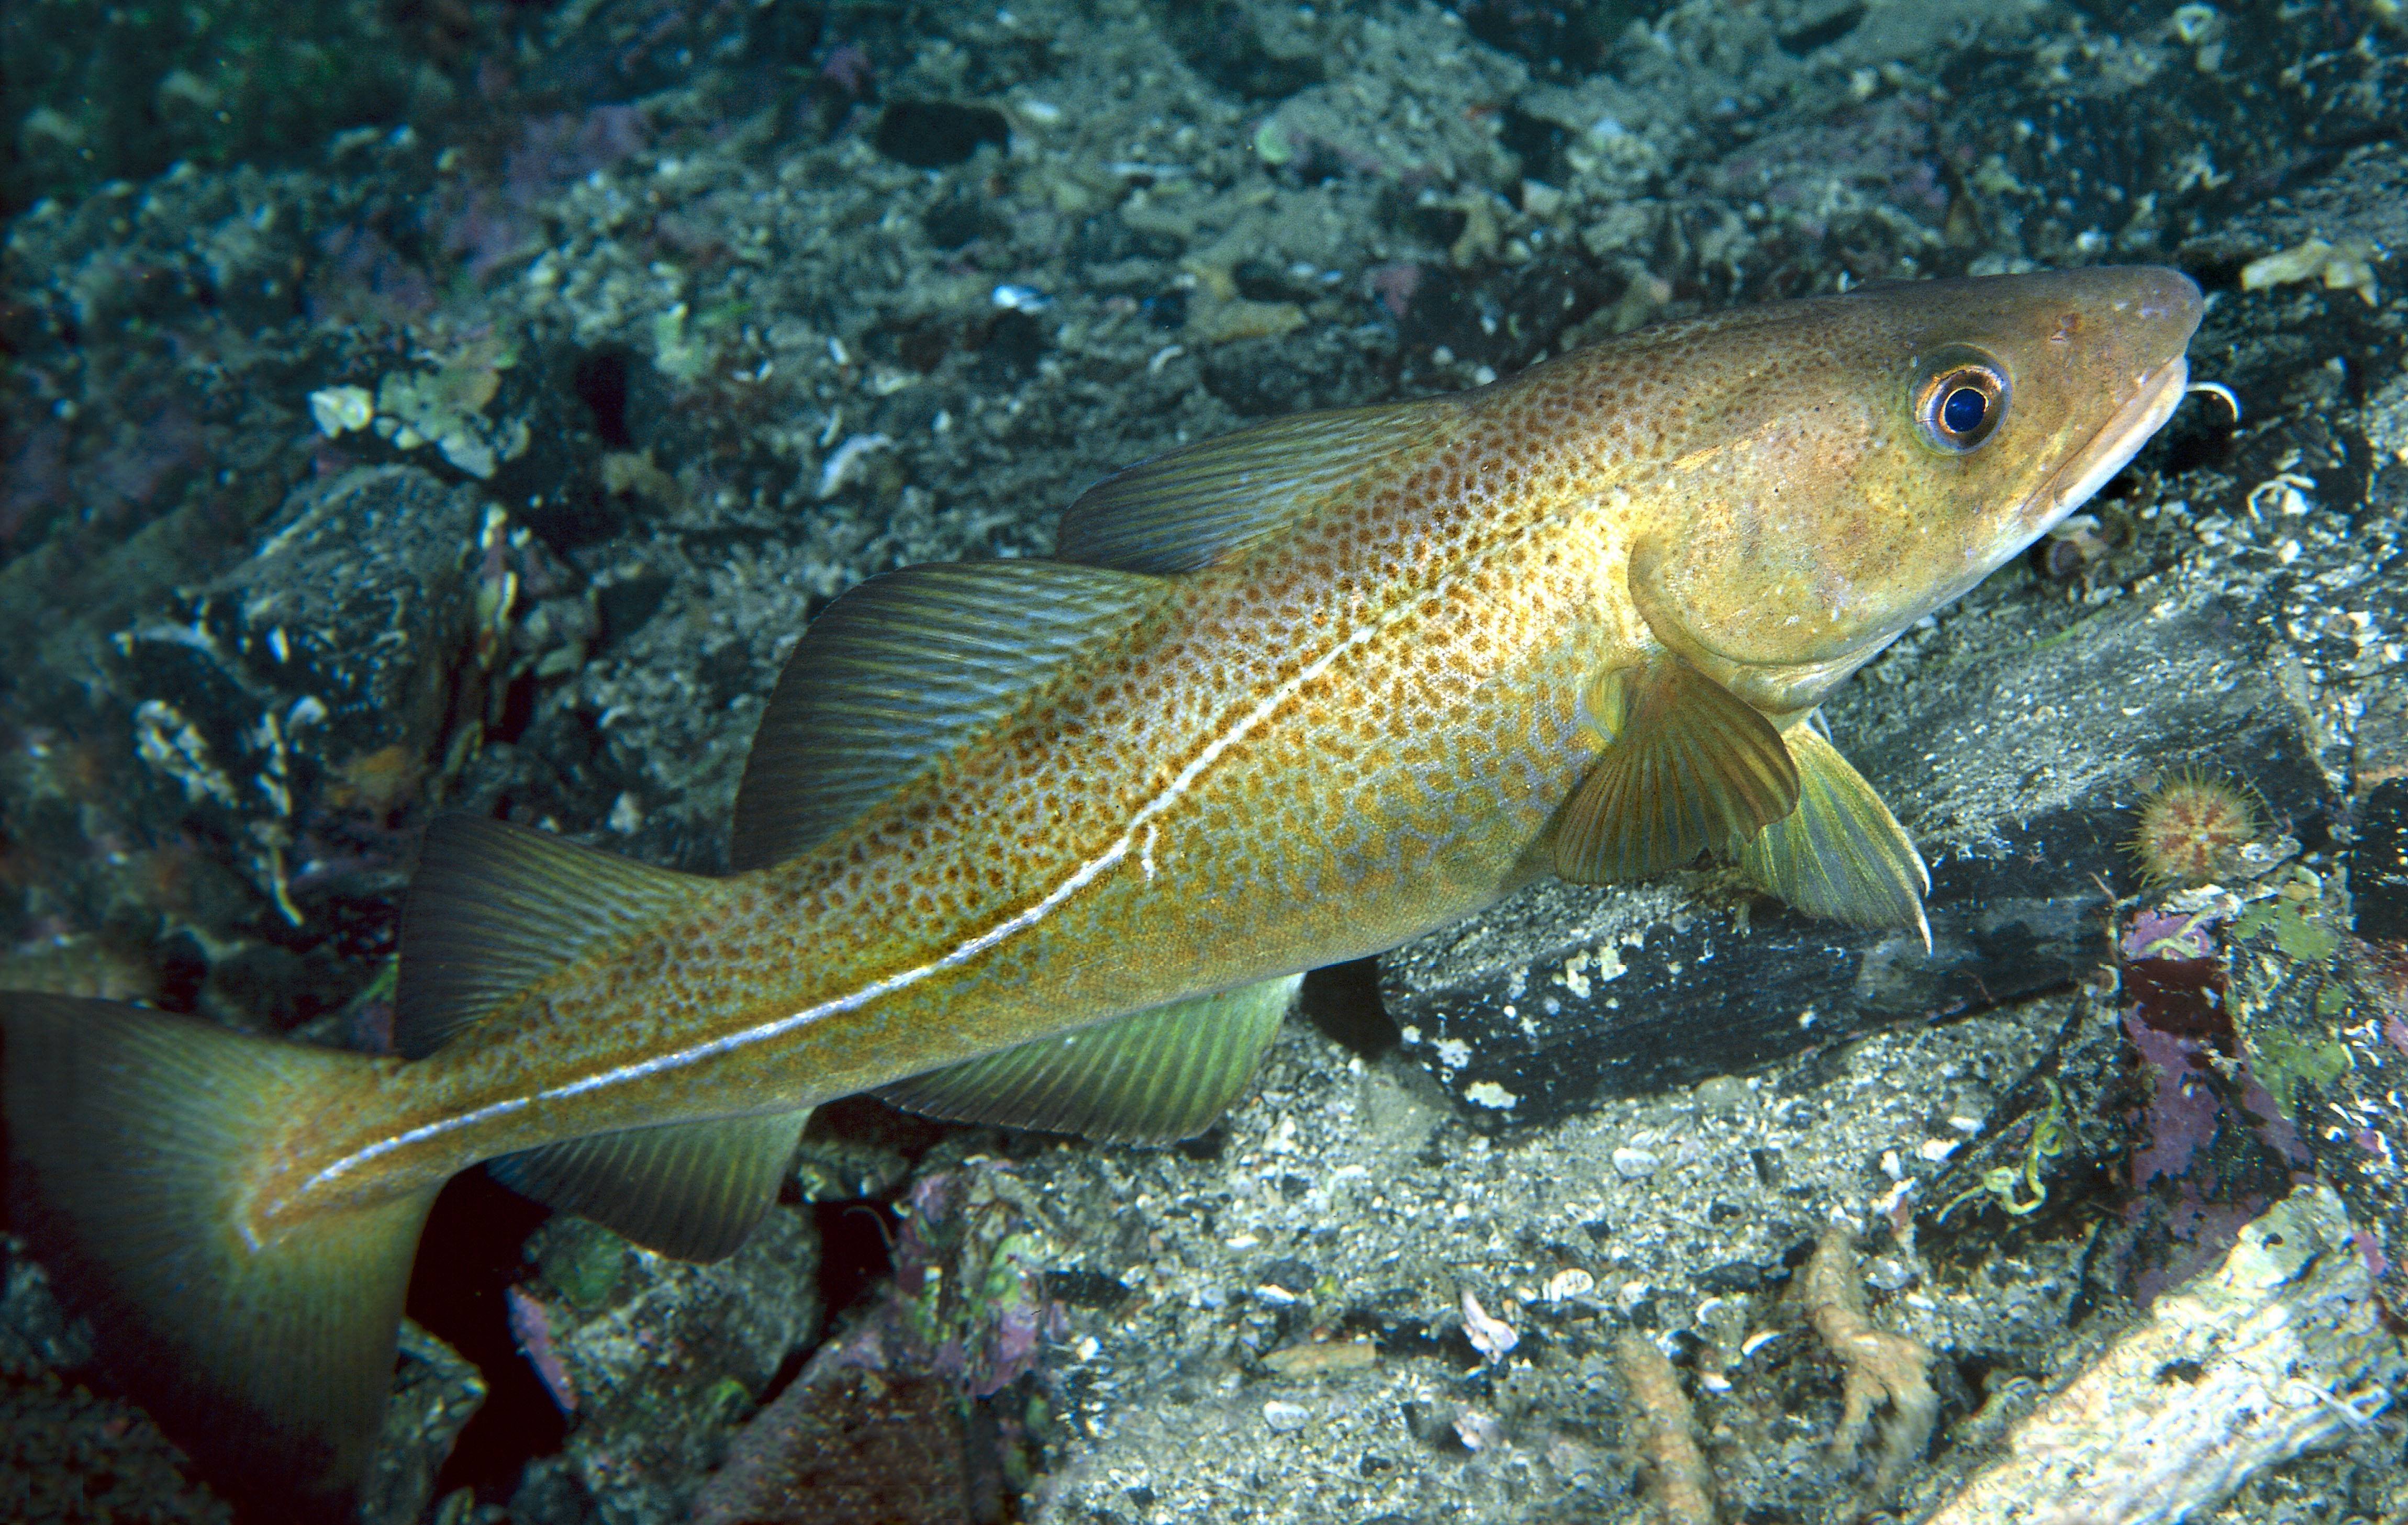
(626, 600)
(660, 1358)
(1560, 39)
(1288, 1272)
(296, 703)
(1010, 345)
(1823, 31)
(931, 134)
(1738, 1276)
(846, 1447)
(1243, 48)
(2017, 772)
(1268, 281)
(959, 218)
(1091, 1289)
(435, 1394)
(1539, 144)
(2378, 876)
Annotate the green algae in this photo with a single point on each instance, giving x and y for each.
(585, 1261)
(2282, 1061)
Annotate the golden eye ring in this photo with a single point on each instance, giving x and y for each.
(1960, 402)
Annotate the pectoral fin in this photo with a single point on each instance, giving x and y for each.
(1688, 767)
(1152, 1076)
(1841, 853)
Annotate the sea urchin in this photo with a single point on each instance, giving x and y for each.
(2193, 829)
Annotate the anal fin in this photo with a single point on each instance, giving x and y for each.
(1152, 1076)
(690, 1190)
(1841, 854)
(1688, 767)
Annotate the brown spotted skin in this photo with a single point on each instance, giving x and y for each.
(1355, 732)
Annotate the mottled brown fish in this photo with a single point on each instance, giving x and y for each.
(1047, 843)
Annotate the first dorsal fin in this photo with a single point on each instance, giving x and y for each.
(1209, 502)
(1688, 767)
(690, 1190)
(494, 907)
(1152, 1076)
(905, 668)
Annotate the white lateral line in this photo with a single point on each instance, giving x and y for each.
(1140, 824)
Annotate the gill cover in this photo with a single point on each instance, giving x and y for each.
(1919, 437)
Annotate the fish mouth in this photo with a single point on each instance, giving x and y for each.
(2118, 440)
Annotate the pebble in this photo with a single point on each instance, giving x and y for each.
(1312, 1359)
(1287, 1417)
(1635, 1164)
(1724, 1094)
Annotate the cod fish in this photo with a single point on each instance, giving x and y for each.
(1048, 843)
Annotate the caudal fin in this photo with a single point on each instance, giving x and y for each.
(133, 1139)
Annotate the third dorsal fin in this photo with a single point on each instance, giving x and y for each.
(903, 669)
(494, 907)
(1207, 502)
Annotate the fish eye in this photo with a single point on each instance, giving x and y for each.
(1960, 401)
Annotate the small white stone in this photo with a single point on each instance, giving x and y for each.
(1635, 1164)
(340, 410)
(1287, 1417)
(1488, 1094)
(1567, 1284)
(845, 459)
(1491, 1336)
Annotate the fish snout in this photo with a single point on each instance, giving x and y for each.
(2158, 318)
(2170, 299)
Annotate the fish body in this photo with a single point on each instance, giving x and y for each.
(1047, 841)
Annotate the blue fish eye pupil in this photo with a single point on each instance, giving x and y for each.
(1962, 410)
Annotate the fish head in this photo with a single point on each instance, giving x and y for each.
(1856, 461)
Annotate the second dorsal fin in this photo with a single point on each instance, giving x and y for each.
(1209, 501)
(903, 669)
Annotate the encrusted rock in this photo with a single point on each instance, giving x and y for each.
(2017, 768)
(661, 1359)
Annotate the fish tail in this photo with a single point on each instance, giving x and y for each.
(133, 1140)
